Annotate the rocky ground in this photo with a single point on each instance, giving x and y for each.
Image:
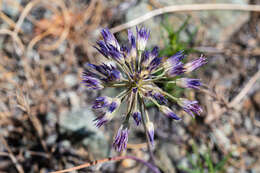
(45, 113)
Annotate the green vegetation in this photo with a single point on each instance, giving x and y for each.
(204, 162)
(173, 42)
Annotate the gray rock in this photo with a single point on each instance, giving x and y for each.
(220, 138)
(173, 151)
(227, 129)
(164, 160)
(51, 139)
(248, 124)
(153, 24)
(78, 119)
(62, 48)
(70, 80)
(74, 100)
(230, 170)
(10, 8)
(81, 122)
(65, 143)
(216, 22)
(27, 27)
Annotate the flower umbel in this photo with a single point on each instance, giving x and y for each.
(138, 71)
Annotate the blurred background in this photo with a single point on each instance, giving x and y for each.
(46, 121)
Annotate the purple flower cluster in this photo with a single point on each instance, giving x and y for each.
(137, 71)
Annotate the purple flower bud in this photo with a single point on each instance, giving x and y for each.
(150, 130)
(114, 105)
(173, 60)
(190, 107)
(121, 139)
(109, 38)
(137, 117)
(176, 58)
(101, 120)
(142, 37)
(195, 64)
(149, 56)
(90, 73)
(173, 65)
(155, 52)
(101, 102)
(92, 82)
(114, 53)
(160, 98)
(106, 73)
(169, 113)
(109, 51)
(113, 75)
(131, 39)
(155, 63)
(188, 83)
(176, 70)
(102, 48)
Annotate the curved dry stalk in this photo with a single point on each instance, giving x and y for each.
(183, 8)
(95, 20)
(8, 20)
(65, 31)
(116, 158)
(14, 37)
(88, 11)
(37, 39)
(63, 34)
(25, 12)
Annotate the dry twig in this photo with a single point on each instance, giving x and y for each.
(245, 90)
(235, 102)
(14, 37)
(116, 158)
(183, 8)
(24, 105)
(11, 155)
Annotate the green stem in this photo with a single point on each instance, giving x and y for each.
(169, 95)
(155, 102)
(124, 70)
(141, 102)
(122, 94)
(127, 69)
(118, 85)
(155, 79)
(130, 67)
(171, 82)
(130, 103)
(159, 69)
